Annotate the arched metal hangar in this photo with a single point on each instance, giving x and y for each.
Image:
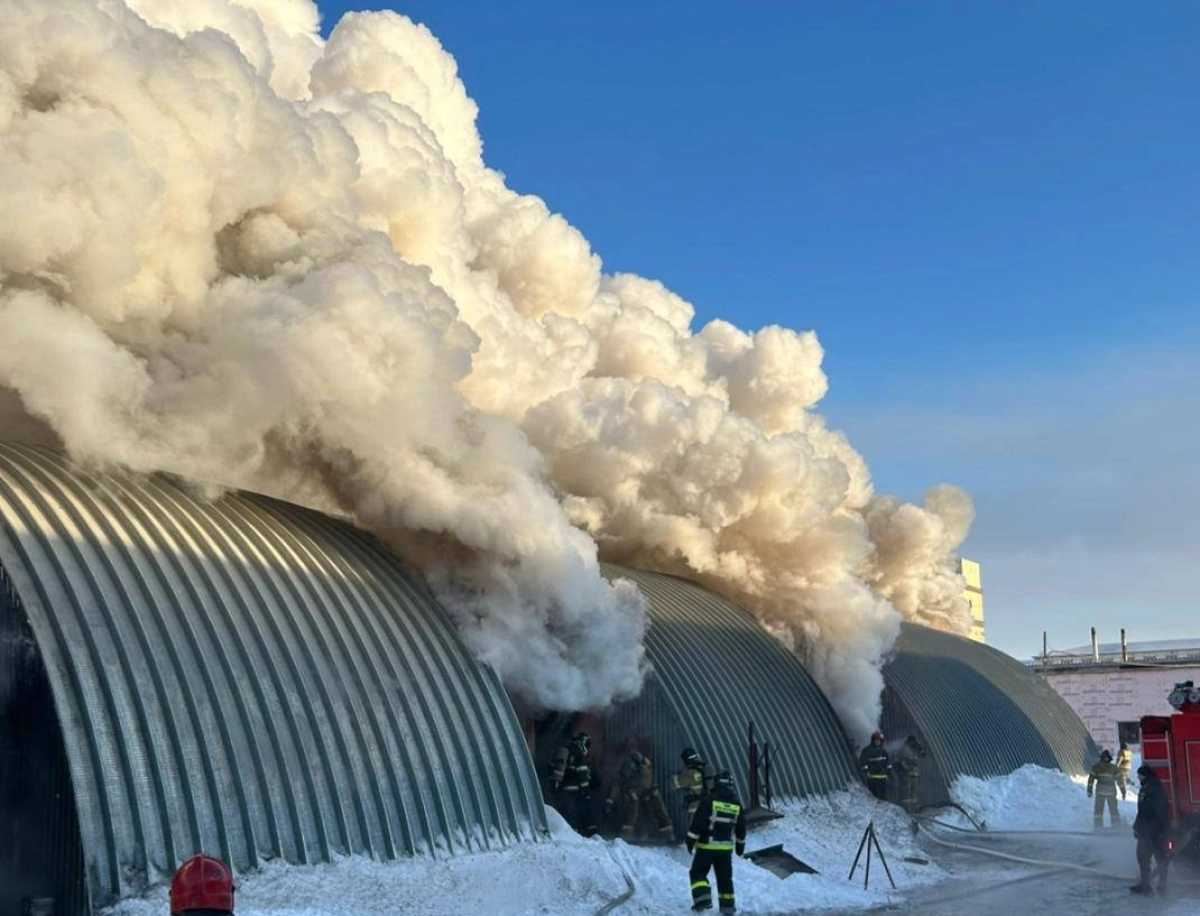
(714, 670)
(977, 711)
(241, 677)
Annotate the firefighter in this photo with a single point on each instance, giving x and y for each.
(694, 779)
(1125, 762)
(908, 765)
(1106, 779)
(203, 886)
(634, 791)
(1150, 829)
(572, 778)
(876, 766)
(717, 830)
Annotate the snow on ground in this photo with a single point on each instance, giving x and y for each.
(573, 876)
(1033, 798)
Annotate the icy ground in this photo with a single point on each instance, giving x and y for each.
(572, 876)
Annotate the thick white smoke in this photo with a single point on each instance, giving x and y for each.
(250, 256)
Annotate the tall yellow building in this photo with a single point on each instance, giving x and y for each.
(974, 594)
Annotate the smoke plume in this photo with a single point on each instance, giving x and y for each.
(240, 252)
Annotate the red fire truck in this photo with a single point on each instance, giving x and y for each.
(1171, 746)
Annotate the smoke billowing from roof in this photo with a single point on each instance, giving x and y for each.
(242, 253)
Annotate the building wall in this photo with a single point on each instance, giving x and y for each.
(1103, 697)
(973, 577)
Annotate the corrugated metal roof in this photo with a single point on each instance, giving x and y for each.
(251, 679)
(978, 711)
(719, 670)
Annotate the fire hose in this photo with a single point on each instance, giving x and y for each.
(629, 886)
(932, 820)
(1043, 863)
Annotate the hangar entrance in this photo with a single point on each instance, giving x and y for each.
(41, 861)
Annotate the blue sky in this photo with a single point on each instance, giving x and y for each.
(988, 212)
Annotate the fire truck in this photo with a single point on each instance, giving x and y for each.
(1171, 747)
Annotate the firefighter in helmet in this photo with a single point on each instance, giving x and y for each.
(1106, 780)
(573, 778)
(718, 829)
(876, 766)
(694, 780)
(1150, 828)
(634, 791)
(203, 886)
(1125, 762)
(908, 766)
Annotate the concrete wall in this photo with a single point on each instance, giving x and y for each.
(1103, 697)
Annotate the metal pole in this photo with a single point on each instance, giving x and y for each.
(1095, 646)
(1124, 647)
(753, 768)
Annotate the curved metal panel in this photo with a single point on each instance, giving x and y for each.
(978, 711)
(719, 670)
(250, 678)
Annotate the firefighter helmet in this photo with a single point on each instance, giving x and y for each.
(202, 883)
(723, 781)
(876, 736)
(584, 738)
(690, 758)
(1106, 755)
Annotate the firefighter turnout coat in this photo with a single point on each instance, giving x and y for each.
(876, 766)
(1106, 780)
(717, 831)
(694, 783)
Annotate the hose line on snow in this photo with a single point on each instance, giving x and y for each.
(1176, 881)
(1043, 863)
(620, 898)
(933, 820)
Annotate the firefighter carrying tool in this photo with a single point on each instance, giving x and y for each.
(718, 829)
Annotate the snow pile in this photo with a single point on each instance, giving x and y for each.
(572, 876)
(1032, 798)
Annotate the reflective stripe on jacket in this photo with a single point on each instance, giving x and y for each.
(874, 762)
(719, 825)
